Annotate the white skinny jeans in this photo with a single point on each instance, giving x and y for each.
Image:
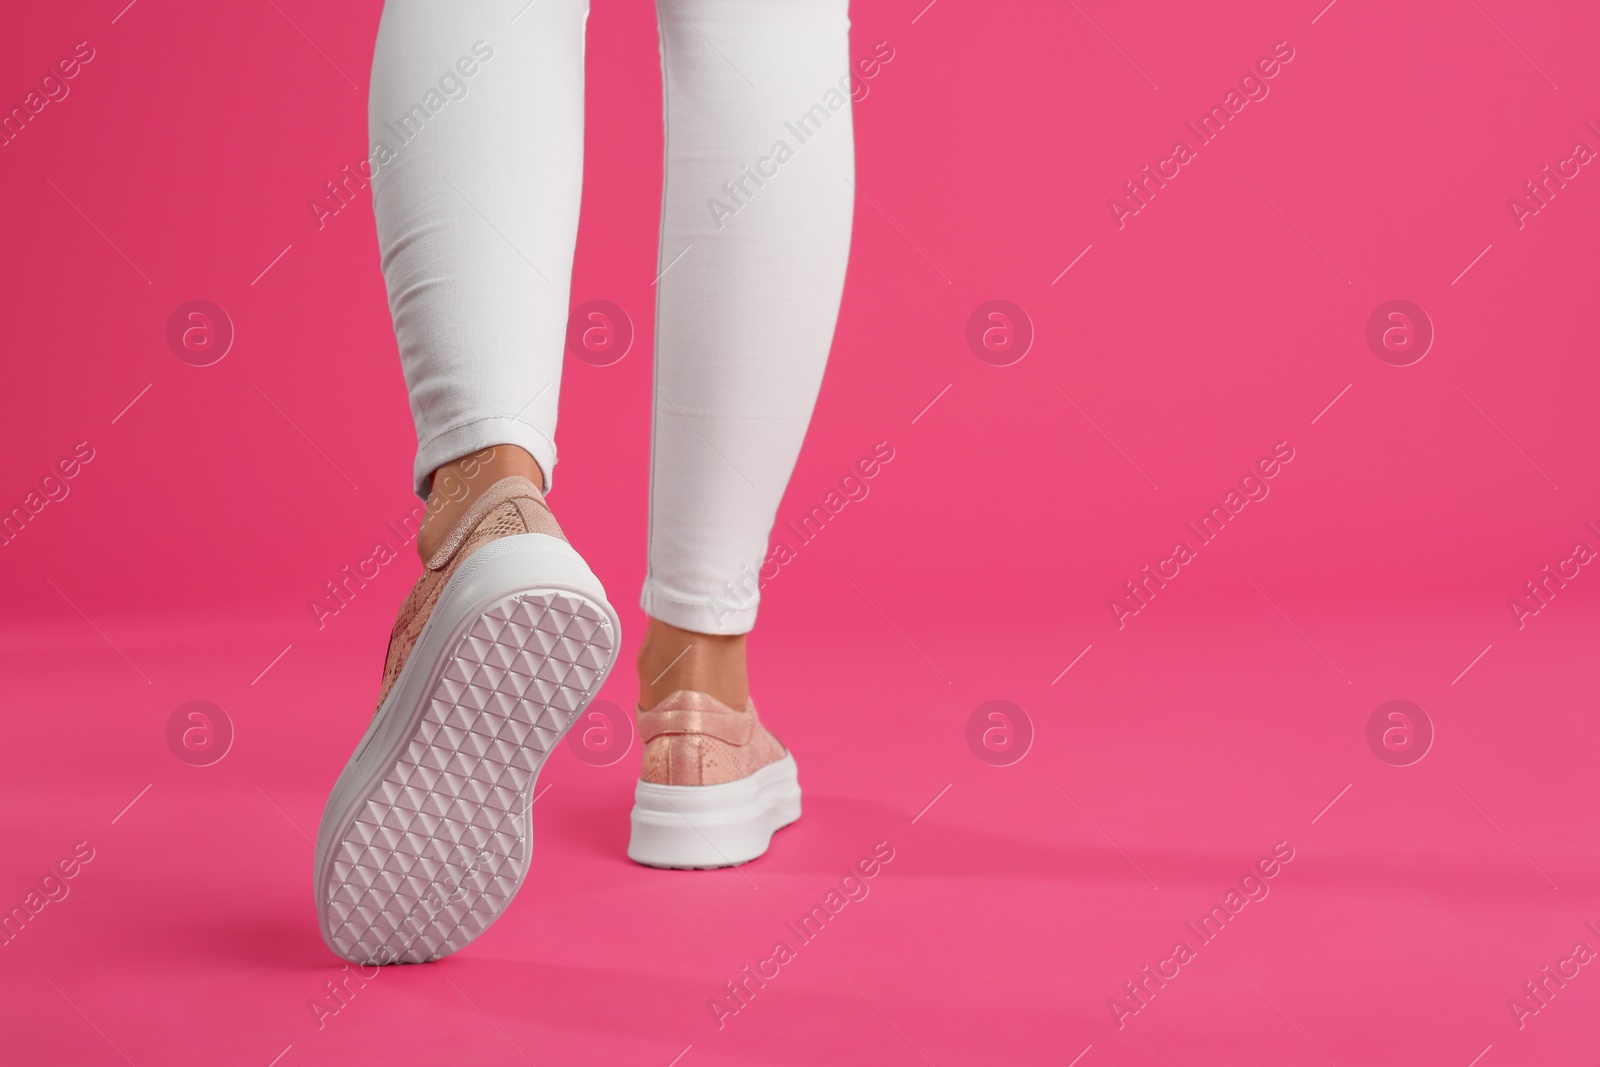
(476, 120)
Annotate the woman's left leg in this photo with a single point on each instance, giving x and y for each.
(755, 235)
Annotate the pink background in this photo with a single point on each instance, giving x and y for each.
(1222, 319)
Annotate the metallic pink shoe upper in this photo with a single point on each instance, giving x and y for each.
(510, 506)
(693, 738)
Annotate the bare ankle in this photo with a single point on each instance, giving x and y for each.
(457, 484)
(671, 659)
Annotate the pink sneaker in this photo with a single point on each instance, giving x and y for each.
(714, 788)
(503, 642)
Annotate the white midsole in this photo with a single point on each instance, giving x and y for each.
(713, 825)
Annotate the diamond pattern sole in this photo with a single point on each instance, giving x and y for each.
(439, 844)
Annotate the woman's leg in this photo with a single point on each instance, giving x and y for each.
(477, 136)
(754, 237)
(477, 115)
(755, 231)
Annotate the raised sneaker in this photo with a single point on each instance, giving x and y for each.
(503, 642)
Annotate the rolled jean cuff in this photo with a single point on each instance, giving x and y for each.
(708, 615)
(475, 436)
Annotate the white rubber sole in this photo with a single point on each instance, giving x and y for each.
(702, 826)
(427, 834)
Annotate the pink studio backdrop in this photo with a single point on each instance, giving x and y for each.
(1176, 341)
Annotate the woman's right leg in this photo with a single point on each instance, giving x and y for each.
(477, 124)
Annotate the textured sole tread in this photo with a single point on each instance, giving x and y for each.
(440, 843)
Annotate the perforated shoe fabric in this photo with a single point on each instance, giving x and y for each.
(693, 738)
(510, 506)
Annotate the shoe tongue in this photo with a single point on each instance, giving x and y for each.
(501, 492)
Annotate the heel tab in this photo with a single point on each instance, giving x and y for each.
(510, 488)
